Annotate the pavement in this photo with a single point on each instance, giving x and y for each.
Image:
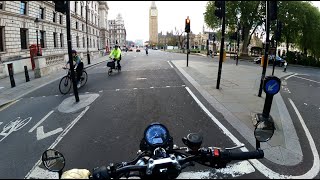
(8, 94)
(237, 100)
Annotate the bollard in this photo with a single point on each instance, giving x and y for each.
(10, 66)
(26, 73)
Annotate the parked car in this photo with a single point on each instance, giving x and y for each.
(279, 60)
(137, 50)
(130, 49)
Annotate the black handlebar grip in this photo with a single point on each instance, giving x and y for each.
(257, 154)
(100, 173)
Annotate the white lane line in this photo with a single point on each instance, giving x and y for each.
(56, 95)
(44, 118)
(170, 64)
(257, 164)
(307, 79)
(43, 96)
(101, 91)
(135, 88)
(183, 85)
(290, 76)
(31, 97)
(2, 122)
(87, 92)
(316, 161)
(305, 104)
(34, 169)
(167, 86)
(151, 87)
(141, 78)
(1, 87)
(117, 89)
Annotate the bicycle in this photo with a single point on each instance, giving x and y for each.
(112, 65)
(66, 81)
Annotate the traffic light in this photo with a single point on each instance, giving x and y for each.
(234, 36)
(278, 31)
(273, 10)
(187, 27)
(60, 6)
(220, 9)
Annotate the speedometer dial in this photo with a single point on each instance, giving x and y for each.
(156, 134)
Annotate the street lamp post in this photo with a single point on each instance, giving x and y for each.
(87, 12)
(36, 21)
(238, 38)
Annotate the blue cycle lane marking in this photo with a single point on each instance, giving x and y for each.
(272, 86)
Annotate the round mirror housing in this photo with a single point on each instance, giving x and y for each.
(53, 160)
(264, 131)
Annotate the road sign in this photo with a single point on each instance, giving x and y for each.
(272, 85)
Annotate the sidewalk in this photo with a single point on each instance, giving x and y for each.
(237, 100)
(8, 94)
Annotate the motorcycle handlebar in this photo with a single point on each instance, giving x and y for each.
(227, 155)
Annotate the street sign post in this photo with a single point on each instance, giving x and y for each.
(271, 86)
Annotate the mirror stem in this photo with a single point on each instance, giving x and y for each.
(60, 174)
(257, 144)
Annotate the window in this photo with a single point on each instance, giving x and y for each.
(1, 39)
(41, 13)
(82, 27)
(83, 42)
(76, 24)
(23, 38)
(92, 18)
(97, 44)
(94, 44)
(54, 16)
(90, 43)
(1, 4)
(77, 39)
(81, 11)
(23, 7)
(75, 7)
(61, 40)
(61, 19)
(42, 38)
(55, 40)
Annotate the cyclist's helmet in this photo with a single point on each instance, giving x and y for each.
(116, 46)
(74, 51)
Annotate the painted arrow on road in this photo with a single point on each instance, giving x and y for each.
(41, 134)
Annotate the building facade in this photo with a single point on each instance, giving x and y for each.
(153, 24)
(117, 32)
(19, 31)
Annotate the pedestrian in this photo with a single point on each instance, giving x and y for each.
(285, 66)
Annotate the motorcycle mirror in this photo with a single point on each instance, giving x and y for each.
(264, 131)
(53, 160)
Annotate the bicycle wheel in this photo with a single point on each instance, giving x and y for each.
(84, 78)
(65, 85)
(109, 72)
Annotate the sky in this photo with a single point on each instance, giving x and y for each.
(171, 14)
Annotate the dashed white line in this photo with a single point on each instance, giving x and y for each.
(151, 87)
(43, 96)
(167, 86)
(117, 89)
(31, 97)
(305, 104)
(183, 85)
(135, 88)
(101, 91)
(87, 92)
(1, 87)
(56, 95)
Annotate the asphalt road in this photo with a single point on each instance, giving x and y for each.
(147, 90)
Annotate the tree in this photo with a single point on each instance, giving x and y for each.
(252, 14)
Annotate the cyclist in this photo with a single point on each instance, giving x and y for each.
(78, 66)
(116, 55)
(147, 50)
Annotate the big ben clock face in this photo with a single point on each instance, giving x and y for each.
(153, 12)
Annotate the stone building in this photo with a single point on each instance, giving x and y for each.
(117, 31)
(153, 24)
(18, 31)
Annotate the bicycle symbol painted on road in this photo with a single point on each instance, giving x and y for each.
(13, 126)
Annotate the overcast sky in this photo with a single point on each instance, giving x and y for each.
(171, 14)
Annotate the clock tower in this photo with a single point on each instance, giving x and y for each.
(153, 24)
